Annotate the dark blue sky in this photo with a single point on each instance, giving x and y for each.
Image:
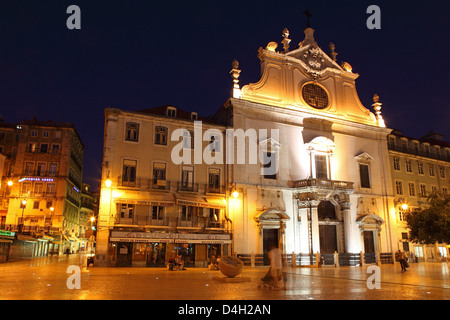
(139, 54)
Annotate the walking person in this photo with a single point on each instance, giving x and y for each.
(275, 265)
(402, 259)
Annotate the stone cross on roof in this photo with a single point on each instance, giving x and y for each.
(308, 15)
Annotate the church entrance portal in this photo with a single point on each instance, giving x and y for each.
(270, 239)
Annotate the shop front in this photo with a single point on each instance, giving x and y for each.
(155, 249)
(6, 238)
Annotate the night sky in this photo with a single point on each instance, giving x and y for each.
(139, 54)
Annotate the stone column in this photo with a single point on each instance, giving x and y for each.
(348, 226)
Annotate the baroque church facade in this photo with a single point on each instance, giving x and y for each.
(332, 191)
(321, 182)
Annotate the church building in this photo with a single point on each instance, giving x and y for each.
(331, 189)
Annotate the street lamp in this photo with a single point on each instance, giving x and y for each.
(24, 203)
(404, 206)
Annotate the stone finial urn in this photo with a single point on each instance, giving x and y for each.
(230, 266)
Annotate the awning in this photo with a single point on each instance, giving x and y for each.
(26, 238)
(150, 199)
(199, 201)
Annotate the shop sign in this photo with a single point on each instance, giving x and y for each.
(123, 236)
(7, 233)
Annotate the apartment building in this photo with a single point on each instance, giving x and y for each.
(41, 186)
(418, 166)
(152, 206)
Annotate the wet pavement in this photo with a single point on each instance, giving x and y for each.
(47, 279)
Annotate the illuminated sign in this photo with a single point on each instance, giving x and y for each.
(7, 233)
(36, 179)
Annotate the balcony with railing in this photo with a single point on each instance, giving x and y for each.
(323, 183)
(187, 186)
(198, 222)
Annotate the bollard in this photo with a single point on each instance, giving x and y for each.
(361, 259)
(252, 260)
(317, 259)
(336, 259)
(293, 262)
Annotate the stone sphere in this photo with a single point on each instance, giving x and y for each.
(230, 266)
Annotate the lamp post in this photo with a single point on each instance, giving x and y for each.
(235, 194)
(24, 203)
(310, 232)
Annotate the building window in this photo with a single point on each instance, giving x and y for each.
(52, 169)
(398, 187)
(214, 180)
(444, 190)
(126, 210)
(29, 168)
(129, 173)
(423, 190)
(321, 166)
(35, 204)
(132, 131)
(34, 133)
(431, 170)
(55, 148)
(214, 217)
(157, 213)
(50, 189)
(31, 147)
(159, 175)
(364, 175)
(26, 187)
(44, 147)
(405, 145)
(188, 212)
(57, 134)
(214, 145)
(392, 143)
(40, 169)
(161, 135)
(188, 139)
(412, 189)
(171, 112)
(38, 189)
(408, 166)
(396, 163)
(45, 134)
(442, 171)
(401, 214)
(187, 178)
(420, 167)
(194, 116)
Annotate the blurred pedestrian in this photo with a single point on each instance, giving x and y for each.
(275, 265)
(401, 257)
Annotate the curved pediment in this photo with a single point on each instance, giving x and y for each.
(271, 215)
(307, 79)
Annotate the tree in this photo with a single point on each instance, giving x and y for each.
(431, 223)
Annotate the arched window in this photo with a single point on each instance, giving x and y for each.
(321, 150)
